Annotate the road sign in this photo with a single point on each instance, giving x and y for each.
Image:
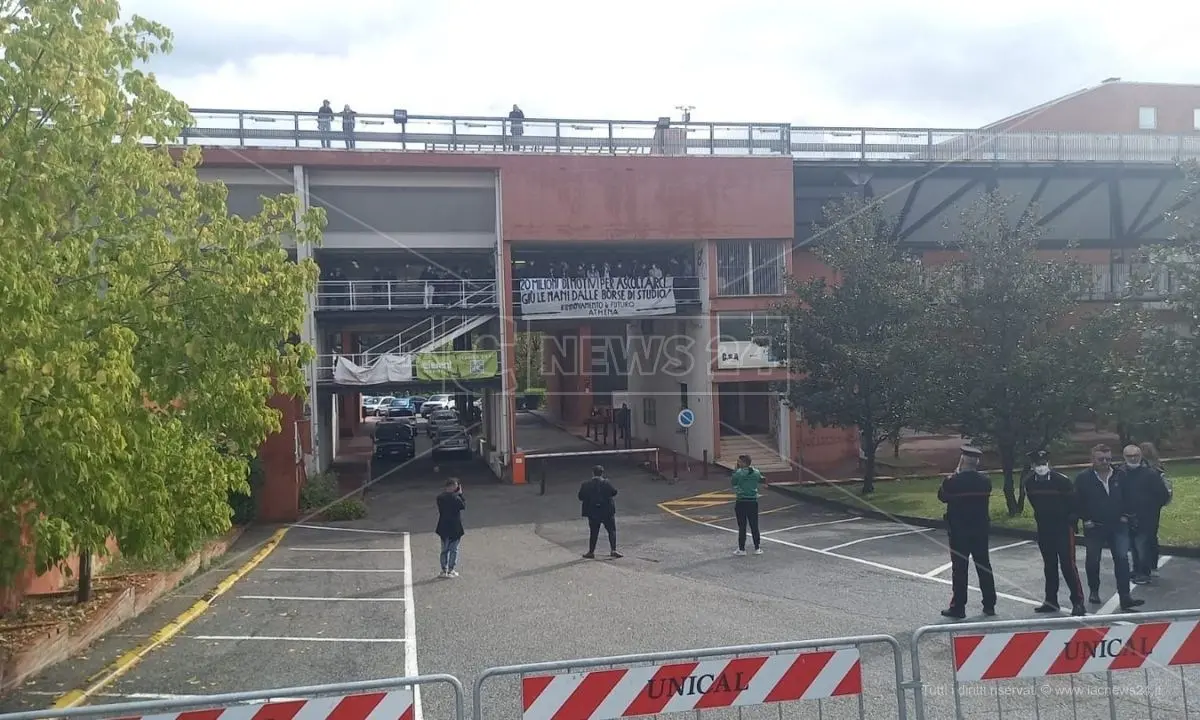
(686, 418)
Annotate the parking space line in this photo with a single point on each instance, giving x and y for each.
(299, 598)
(410, 627)
(1108, 607)
(943, 568)
(335, 570)
(816, 524)
(697, 503)
(345, 529)
(345, 550)
(861, 561)
(876, 537)
(764, 512)
(284, 638)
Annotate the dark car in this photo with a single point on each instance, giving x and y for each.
(441, 418)
(417, 404)
(394, 437)
(400, 408)
(452, 440)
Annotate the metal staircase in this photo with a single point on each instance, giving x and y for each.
(428, 335)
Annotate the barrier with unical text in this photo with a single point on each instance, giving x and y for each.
(388, 699)
(1145, 665)
(827, 674)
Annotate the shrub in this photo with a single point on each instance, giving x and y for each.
(320, 496)
(245, 507)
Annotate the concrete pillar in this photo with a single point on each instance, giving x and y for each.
(283, 465)
(308, 331)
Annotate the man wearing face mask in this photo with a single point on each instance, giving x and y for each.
(1052, 497)
(1148, 493)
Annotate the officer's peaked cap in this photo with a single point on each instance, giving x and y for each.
(1039, 455)
(972, 451)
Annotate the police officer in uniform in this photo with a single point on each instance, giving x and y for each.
(1052, 496)
(966, 494)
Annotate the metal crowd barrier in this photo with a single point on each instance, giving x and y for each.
(738, 681)
(1114, 666)
(392, 698)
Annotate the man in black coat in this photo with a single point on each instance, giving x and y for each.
(450, 505)
(966, 494)
(596, 499)
(1053, 499)
(1105, 512)
(1148, 492)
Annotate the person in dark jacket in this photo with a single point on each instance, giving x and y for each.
(325, 122)
(1148, 493)
(967, 494)
(1052, 497)
(1104, 510)
(450, 505)
(596, 500)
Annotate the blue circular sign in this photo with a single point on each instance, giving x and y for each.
(686, 418)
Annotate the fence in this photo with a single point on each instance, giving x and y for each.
(1139, 666)
(393, 698)
(353, 295)
(737, 681)
(571, 467)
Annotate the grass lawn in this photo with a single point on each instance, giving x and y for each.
(917, 497)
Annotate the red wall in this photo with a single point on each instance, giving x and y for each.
(552, 197)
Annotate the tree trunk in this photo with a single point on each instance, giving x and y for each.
(1008, 463)
(868, 444)
(83, 593)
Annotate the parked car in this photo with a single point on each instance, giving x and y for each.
(435, 403)
(442, 418)
(394, 437)
(399, 408)
(418, 403)
(377, 406)
(451, 439)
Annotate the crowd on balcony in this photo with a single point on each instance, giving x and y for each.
(421, 285)
(603, 266)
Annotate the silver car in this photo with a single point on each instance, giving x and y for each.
(441, 418)
(451, 439)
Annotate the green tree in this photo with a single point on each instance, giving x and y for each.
(1011, 361)
(142, 329)
(851, 342)
(527, 359)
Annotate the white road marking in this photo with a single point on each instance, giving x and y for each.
(285, 638)
(336, 570)
(410, 627)
(943, 568)
(877, 537)
(345, 550)
(816, 524)
(1114, 601)
(319, 599)
(340, 529)
(868, 563)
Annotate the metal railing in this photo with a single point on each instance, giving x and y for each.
(392, 698)
(828, 675)
(359, 295)
(1140, 665)
(430, 332)
(480, 134)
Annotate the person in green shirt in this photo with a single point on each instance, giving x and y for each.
(746, 480)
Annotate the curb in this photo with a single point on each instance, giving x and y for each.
(1018, 533)
(127, 661)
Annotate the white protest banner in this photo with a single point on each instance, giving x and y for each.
(597, 297)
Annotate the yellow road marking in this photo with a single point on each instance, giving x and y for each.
(764, 512)
(125, 663)
(697, 503)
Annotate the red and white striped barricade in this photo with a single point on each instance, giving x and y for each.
(390, 699)
(697, 680)
(1041, 651)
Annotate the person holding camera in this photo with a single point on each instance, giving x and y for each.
(598, 506)
(450, 505)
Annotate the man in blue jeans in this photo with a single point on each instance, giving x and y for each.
(1105, 511)
(450, 505)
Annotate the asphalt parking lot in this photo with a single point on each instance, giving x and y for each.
(361, 600)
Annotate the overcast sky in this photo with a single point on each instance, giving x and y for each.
(899, 63)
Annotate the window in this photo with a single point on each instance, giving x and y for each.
(1147, 118)
(747, 327)
(750, 267)
(1196, 119)
(649, 412)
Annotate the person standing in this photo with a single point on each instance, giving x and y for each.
(1104, 510)
(1052, 497)
(516, 125)
(325, 123)
(1148, 493)
(598, 506)
(967, 493)
(1150, 458)
(746, 480)
(349, 119)
(450, 505)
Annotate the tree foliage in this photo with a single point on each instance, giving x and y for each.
(1011, 360)
(851, 342)
(527, 358)
(141, 327)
